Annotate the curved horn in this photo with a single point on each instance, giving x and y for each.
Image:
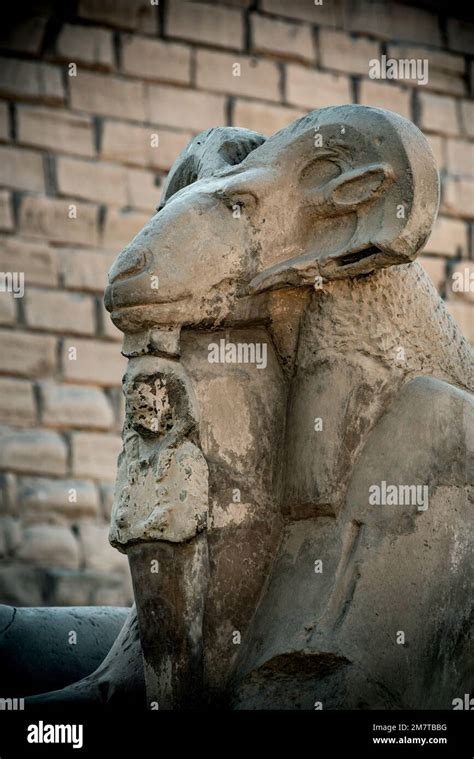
(207, 153)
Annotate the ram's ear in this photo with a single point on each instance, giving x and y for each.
(353, 188)
(209, 152)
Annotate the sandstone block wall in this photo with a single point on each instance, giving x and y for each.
(97, 98)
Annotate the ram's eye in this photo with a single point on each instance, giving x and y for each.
(238, 202)
(318, 172)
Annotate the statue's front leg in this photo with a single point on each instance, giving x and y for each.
(160, 519)
(170, 605)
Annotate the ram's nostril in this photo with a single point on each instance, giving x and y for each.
(129, 262)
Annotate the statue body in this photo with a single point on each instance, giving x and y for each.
(292, 492)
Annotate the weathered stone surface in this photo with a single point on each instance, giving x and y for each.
(436, 270)
(4, 122)
(446, 71)
(439, 113)
(92, 362)
(6, 215)
(304, 86)
(342, 52)
(113, 591)
(38, 638)
(458, 196)
(10, 535)
(137, 15)
(84, 587)
(328, 14)
(449, 237)
(74, 406)
(264, 118)
(251, 78)
(462, 313)
(59, 220)
(38, 498)
(461, 280)
(17, 402)
(143, 189)
(174, 106)
(21, 169)
(99, 182)
(467, 117)
(280, 38)
(290, 364)
(27, 355)
(123, 674)
(388, 20)
(103, 36)
(38, 262)
(49, 546)
(96, 550)
(120, 226)
(58, 311)
(7, 493)
(7, 309)
(83, 269)
(94, 455)
(21, 584)
(83, 44)
(165, 497)
(96, 93)
(190, 21)
(55, 129)
(155, 59)
(32, 81)
(141, 146)
(460, 157)
(107, 498)
(32, 451)
(390, 96)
